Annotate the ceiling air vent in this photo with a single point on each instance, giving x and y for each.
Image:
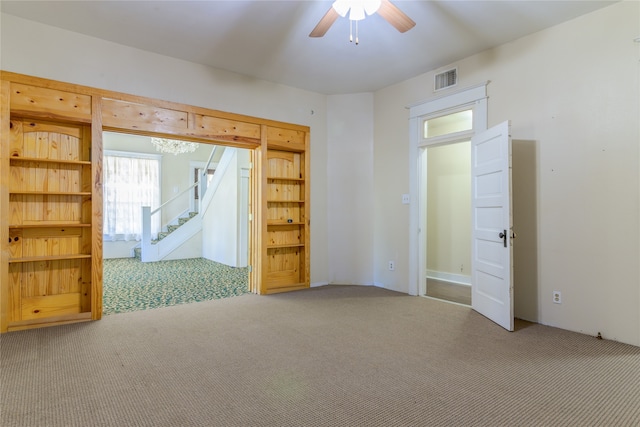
(446, 79)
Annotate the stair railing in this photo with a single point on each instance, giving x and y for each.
(147, 213)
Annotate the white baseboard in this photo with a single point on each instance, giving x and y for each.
(459, 279)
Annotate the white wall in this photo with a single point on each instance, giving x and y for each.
(572, 94)
(221, 218)
(40, 50)
(191, 248)
(350, 188)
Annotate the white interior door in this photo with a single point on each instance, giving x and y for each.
(491, 251)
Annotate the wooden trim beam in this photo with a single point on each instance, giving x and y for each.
(4, 203)
(96, 210)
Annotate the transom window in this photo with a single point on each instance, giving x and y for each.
(451, 123)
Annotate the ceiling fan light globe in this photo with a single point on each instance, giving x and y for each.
(357, 13)
(342, 7)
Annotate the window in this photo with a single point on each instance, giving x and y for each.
(131, 181)
(447, 124)
(196, 176)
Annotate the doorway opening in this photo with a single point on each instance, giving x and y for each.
(448, 235)
(198, 238)
(440, 133)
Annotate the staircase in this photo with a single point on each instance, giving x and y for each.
(170, 229)
(190, 223)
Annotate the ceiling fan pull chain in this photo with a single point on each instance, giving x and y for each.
(357, 33)
(350, 31)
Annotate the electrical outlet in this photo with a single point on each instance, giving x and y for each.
(392, 265)
(557, 297)
(405, 199)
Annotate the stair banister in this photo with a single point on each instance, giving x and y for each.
(173, 198)
(145, 245)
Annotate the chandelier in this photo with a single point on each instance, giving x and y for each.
(173, 146)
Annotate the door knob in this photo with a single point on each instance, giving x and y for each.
(503, 236)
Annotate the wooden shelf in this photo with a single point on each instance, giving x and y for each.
(48, 258)
(284, 178)
(270, 223)
(41, 160)
(52, 193)
(50, 225)
(292, 245)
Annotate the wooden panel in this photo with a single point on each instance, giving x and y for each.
(284, 190)
(283, 213)
(42, 278)
(50, 103)
(39, 307)
(286, 139)
(227, 130)
(51, 241)
(284, 164)
(25, 209)
(285, 235)
(116, 112)
(14, 309)
(49, 321)
(15, 243)
(283, 279)
(290, 288)
(92, 273)
(283, 267)
(45, 177)
(50, 145)
(15, 139)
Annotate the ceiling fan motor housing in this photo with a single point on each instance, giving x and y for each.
(358, 8)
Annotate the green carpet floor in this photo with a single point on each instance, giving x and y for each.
(131, 285)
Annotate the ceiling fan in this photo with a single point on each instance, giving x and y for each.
(357, 10)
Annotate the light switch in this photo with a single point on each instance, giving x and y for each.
(405, 199)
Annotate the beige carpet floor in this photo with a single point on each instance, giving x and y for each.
(330, 356)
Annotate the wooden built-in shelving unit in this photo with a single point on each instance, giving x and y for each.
(287, 212)
(50, 221)
(51, 192)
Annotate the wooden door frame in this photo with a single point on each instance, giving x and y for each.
(130, 114)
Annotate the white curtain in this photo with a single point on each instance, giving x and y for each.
(129, 184)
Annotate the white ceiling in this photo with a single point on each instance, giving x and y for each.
(269, 39)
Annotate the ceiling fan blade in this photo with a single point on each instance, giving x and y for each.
(325, 23)
(395, 16)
